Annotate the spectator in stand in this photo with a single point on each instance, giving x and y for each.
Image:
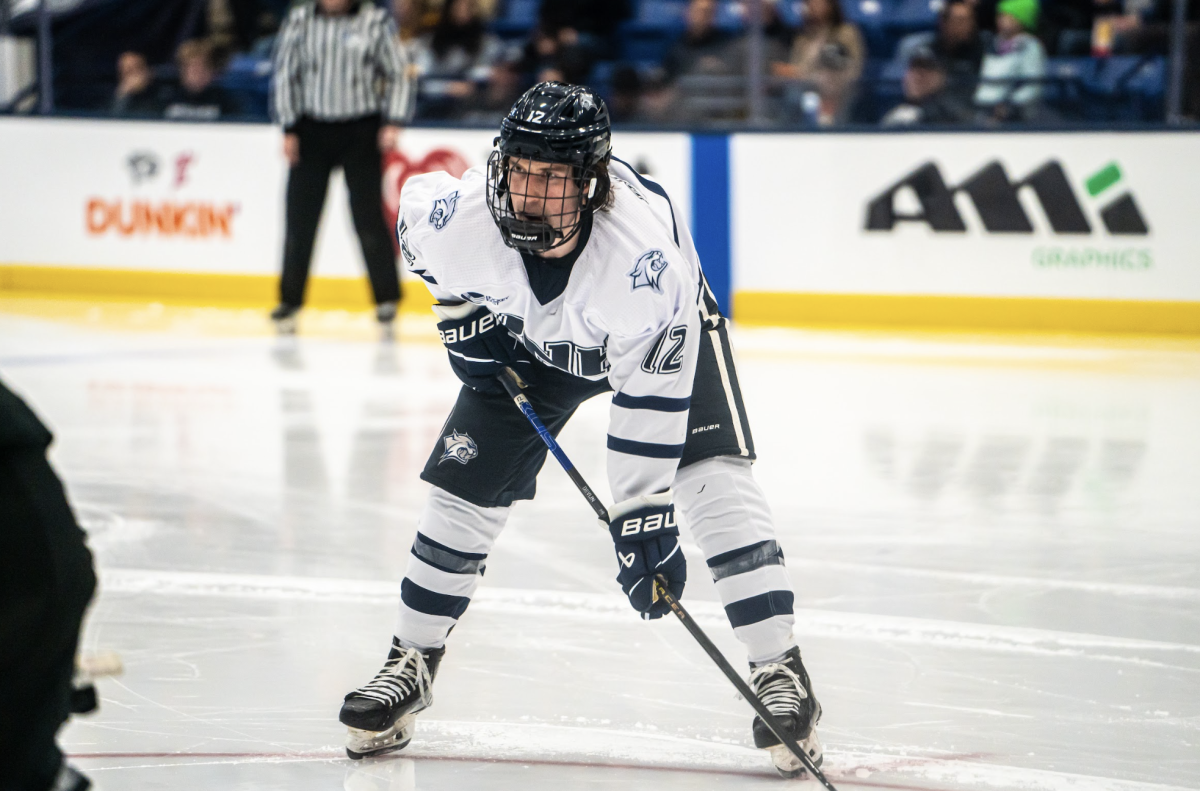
(778, 34)
(417, 18)
(194, 97)
(589, 27)
(503, 88)
(927, 98)
(136, 95)
(546, 59)
(705, 48)
(1010, 88)
(701, 67)
(1151, 35)
(626, 102)
(455, 59)
(541, 51)
(1097, 27)
(244, 25)
(827, 59)
(958, 44)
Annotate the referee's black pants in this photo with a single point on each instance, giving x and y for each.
(353, 146)
(46, 582)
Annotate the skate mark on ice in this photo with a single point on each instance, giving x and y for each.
(1124, 590)
(612, 608)
(989, 712)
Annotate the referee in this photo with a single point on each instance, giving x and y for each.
(341, 91)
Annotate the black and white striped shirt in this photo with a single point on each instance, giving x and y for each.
(335, 68)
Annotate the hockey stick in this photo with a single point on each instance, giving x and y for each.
(513, 385)
(714, 653)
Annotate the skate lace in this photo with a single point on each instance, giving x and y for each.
(398, 679)
(779, 688)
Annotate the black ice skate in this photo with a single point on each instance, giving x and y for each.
(284, 317)
(382, 715)
(787, 693)
(385, 314)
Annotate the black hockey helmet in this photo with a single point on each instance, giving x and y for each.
(561, 124)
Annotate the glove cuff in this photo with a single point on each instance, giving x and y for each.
(454, 312)
(639, 518)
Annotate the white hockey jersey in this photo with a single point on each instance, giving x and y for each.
(630, 311)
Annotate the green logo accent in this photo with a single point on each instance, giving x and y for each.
(1118, 258)
(1109, 175)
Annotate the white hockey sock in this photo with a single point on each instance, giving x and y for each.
(453, 540)
(731, 521)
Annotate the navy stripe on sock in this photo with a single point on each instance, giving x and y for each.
(656, 403)
(456, 552)
(739, 561)
(652, 450)
(430, 602)
(759, 608)
(445, 558)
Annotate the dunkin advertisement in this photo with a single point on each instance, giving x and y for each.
(152, 196)
(209, 198)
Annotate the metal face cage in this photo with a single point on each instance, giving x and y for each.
(537, 205)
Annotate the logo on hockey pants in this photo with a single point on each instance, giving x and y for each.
(459, 447)
(648, 270)
(443, 210)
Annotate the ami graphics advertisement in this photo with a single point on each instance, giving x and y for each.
(1104, 216)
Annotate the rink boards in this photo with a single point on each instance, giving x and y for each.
(1079, 231)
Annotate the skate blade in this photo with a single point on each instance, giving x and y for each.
(360, 743)
(286, 326)
(788, 765)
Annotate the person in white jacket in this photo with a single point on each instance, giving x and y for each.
(1013, 70)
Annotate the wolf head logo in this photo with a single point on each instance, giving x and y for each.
(443, 210)
(648, 270)
(459, 447)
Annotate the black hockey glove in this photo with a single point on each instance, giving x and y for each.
(646, 535)
(480, 346)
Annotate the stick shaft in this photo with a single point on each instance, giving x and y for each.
(719, 659)
(512, 383)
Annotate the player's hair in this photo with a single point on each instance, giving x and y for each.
(603, 189)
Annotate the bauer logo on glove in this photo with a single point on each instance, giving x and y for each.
(465, 332)
(647, 524)
(479, 345)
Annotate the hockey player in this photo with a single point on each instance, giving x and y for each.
(564, 263)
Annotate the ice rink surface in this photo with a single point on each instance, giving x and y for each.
(995, 543)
